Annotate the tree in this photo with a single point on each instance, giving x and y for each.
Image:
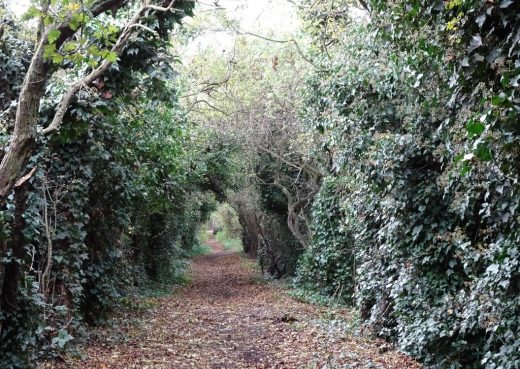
(65, 229)
(58, 40)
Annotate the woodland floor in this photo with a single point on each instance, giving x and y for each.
(229, 317)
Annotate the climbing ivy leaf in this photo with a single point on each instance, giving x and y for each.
(53, 35)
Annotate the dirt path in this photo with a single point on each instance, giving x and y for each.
(227, 318)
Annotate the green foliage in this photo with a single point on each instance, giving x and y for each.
(328, 265)
(225, 219)
(417, 111)
(248, 96)
(411, 113)
(229, 242)
(118, 193)
(15, 55)
(227, 227)
(200, 248)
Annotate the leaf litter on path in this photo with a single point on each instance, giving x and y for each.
(225, 319)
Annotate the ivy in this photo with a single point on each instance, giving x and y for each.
(116, 197)
(416, 109)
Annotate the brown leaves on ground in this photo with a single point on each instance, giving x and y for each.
(227, 319)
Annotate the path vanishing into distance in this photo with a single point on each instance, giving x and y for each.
(230, 317)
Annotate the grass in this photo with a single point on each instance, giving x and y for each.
(201, 248)
(230, 243)
(203, 235)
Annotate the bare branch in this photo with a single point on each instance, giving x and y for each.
(25, 178)
(192, 106)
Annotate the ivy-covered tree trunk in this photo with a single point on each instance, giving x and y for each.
(12, 270)
(24, 135)
(248, 221)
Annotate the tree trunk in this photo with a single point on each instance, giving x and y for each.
(12, 271)
(24, 136)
